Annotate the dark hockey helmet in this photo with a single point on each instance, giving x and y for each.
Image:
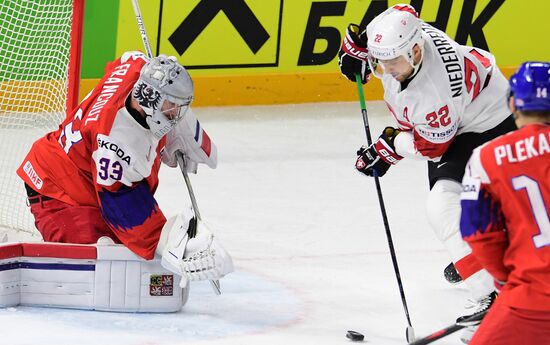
(530, 86)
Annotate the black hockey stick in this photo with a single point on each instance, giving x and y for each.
(181, 162)
(450, 329)
(410, 329)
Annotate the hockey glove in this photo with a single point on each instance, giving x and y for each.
(353, 55)
(189, 249)
(189, 138)
(379, 156)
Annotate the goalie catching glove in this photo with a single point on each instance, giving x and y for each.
(189, 249)
(353, 55)
(380, 155)
(189, 137)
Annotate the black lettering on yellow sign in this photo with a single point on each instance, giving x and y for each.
(374, 9)
(443, 13)
(238, 13)
(474, 28)
(468, 26)
(314, 32)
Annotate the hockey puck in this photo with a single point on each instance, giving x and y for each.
(355, 336)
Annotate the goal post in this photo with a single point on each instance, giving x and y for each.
(40, 52)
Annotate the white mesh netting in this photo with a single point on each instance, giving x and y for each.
(35, 41)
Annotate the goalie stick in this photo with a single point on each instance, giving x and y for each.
(473, 320)
(181, 162)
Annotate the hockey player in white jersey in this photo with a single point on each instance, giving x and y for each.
(446, 99)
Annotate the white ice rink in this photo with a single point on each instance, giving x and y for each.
(306, 235)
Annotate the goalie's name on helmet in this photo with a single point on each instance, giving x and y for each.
(104, 144)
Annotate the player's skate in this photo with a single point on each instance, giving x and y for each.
(474, 319)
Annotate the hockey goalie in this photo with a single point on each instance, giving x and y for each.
(91, 186)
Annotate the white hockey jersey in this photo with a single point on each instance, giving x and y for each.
(457, 89)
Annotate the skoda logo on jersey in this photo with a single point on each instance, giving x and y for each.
(469, 188)
(107, 145)
(147, 96)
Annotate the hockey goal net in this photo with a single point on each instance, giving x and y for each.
(40, 44)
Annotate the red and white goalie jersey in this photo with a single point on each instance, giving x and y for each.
(102, 157)
(457, 89)
(505, 208)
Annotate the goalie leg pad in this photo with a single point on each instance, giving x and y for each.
(102, 277)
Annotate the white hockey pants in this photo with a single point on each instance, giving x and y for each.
(443, 207)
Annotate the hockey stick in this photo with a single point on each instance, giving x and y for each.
(410, 330)
(215, 283)
(142, 30)
(181, 162)
(448, 330)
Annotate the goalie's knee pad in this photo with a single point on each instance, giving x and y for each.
(443, 208)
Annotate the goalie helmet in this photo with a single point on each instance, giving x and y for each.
(394, 34)
(530, 86)
(164, 90)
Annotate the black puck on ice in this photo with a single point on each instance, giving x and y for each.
(355, 336)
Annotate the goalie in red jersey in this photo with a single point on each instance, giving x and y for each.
(505, 208)
(96, 175)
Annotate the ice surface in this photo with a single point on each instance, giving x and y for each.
(307, 239)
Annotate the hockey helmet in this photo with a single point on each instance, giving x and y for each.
(392, 34)
(530, 86)
(164, 90)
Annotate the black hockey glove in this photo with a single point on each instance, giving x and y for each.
(353, 55)
(379, 156)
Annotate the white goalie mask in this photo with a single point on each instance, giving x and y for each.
(164, 91)
(393, 35)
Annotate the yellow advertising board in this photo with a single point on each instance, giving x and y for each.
(276, 51)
